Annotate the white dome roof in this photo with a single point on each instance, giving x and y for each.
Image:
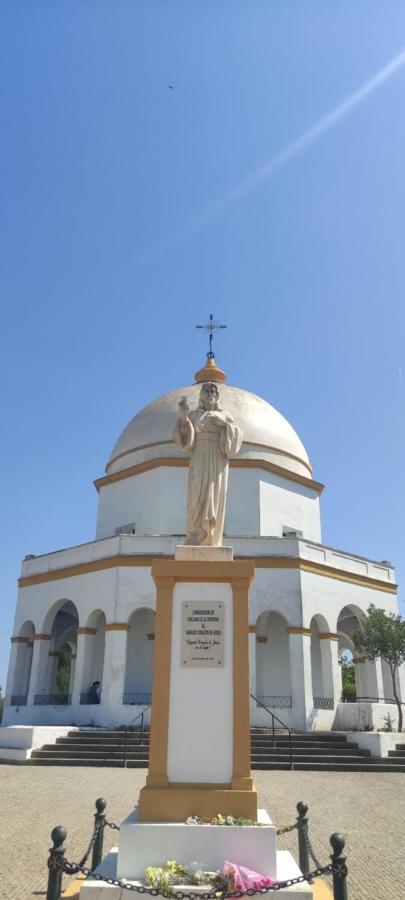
(266, 434)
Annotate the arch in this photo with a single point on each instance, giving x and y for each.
(94, 649)
(273, 682)
(63, 605)
(61, 622)
(139, 658)
(23, 664)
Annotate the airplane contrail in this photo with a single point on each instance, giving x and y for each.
(288, 153)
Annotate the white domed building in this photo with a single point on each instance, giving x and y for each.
(96, 601)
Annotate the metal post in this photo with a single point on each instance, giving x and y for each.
(302, 822)
(99, 824)
(55, 861)
(337, 843)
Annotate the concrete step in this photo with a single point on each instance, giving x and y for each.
(64, 761)
(335, 766)
(87, 754)
(310, 746)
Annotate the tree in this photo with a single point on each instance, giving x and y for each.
(383, 636)
(348, 679)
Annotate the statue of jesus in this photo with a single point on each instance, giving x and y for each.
(212, 437)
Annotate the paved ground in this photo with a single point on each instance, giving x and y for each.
(368, 808)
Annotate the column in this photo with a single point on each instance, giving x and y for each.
(301, 677)
(85, 638)
(331, 674)
(358, 662)
(41, 667)
(14, 667)
(252, 671)
(241, 777)
(115, 653)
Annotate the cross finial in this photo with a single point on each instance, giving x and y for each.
(211, 328)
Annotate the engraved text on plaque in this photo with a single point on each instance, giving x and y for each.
(202, 634)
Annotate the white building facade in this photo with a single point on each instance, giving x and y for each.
(96, 601)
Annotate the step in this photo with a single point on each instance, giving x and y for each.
(63, 761)
(84, 754)
(306, 757)
(331, 767)
(316, 745)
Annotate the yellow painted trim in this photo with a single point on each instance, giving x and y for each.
(73, 889)
(116, 626)
(321, 891)
(252, 629)
(359, 659)
(41, 637)
(328, 636)
(261, 639)
(17, 639)
(177, 462)
(260, 562)
(292, 629)
(160, 800)
(165, 443)
(54, 653)
(86, 630)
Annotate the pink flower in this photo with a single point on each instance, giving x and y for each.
(244, 879)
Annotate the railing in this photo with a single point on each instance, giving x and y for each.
(52, 699)
(323, 703)
(18, 699)
(275, 701)
(88, 698)
(283, 725)
(136, 698)
(129, 727)
(369, 700)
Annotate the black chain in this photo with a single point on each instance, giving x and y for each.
(287, 828)
(97, 826)
(73, 869)
(314, 858)
(112, 825)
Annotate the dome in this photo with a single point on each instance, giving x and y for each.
(266, 433)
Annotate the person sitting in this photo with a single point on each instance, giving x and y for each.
(95, 692)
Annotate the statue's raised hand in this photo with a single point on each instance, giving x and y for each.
(184, 408)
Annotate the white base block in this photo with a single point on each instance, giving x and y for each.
(145, 844)
(286, 868)
(203, 553)
(18, 741)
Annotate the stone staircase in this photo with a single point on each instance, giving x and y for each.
(328, 752)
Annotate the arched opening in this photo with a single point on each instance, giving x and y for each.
(94, 646)
(138, 668)
(273, 684)
(321, 663)
(23, 663)
(347, 669)
(58, 655)
(365, 674)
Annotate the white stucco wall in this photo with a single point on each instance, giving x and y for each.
(284, 504)
(201, 699)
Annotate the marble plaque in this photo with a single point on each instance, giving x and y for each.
(202, 634)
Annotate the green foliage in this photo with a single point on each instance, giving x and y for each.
(348, 680)
(382, 636)
(63, 670)
(388, 723)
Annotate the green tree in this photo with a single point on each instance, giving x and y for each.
(63, 670)
(383, 636)
(348, 679)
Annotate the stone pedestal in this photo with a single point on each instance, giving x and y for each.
(200, 731)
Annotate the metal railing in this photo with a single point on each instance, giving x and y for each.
(130, 727)
(136, 698)
(18, 699)
(273, 728)
(52, 699)
(323, 703)
(369, 700)
(275, 701)
(88, 698)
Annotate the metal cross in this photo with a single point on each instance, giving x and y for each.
(211, 328)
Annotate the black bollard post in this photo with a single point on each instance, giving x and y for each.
(337, 843)
(55, 861)
(99, 824)
(302, 821)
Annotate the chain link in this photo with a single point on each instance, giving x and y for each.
(287, 828)
(97, 827)
(74, 868)
(112, 825)
(314, 858)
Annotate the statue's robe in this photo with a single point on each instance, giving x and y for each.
(211, 444)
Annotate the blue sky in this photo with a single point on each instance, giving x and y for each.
(115, 243)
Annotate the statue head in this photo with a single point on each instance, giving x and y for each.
(209, 396)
